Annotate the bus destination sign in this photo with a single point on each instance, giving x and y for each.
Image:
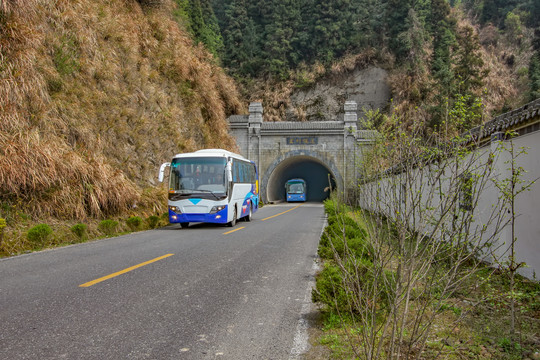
(302, 140)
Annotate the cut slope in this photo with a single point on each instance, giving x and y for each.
(94, 95)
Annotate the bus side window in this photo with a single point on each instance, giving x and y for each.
(252, 174)
(235, 171)
(242, 172)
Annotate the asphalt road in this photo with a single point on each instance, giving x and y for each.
(197, 293)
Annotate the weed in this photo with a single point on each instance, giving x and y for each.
(152, 221)
(54, 85)
(509, 346)
(108, 227)
(80, 230)
(134, 223)
(39, 234)
(66, 56)
(2, 226)
(455, 309)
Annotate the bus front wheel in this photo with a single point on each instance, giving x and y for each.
(249, 215)
(184, 225)
(233, 221)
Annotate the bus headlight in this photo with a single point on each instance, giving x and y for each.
(175, 209)
(217, 208)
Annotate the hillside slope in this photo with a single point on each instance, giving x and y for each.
(94, 95)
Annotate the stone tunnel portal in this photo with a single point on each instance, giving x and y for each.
(313, 171)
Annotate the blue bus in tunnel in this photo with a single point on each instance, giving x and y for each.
(296, 190)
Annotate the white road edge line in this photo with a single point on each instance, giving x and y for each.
(301, 337)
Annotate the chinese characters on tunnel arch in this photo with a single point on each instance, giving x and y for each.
(302, 140)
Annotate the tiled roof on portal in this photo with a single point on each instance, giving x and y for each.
(302, 125)
(238, 118)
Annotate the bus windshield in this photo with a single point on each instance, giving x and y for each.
(202, 177)
(295, 188)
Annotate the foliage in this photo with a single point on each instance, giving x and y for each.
(329, 289)
(108, 226)
(199, 19)
(342, 235)
(432, 47)
(534, 68)
(422, 238)
(39, 233)
(2, 226)
(469, 66)
(152, 221)
(510, 185)
(496, 11)
(134, 222)
(151, 3)
(80, 230)
(273, 37)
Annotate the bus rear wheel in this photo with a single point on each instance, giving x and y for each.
(184, 225)
(233, 221)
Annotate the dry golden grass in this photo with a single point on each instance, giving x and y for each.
(94, 95)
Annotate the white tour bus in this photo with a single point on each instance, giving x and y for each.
(211, 186)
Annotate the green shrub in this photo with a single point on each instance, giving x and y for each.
(3, 224)
(334, 235)
(152, 221)
(330, 290)
(39, 233)
(335, 286)
(134, 222)
(80, 230)
(331, 219)
(333, 207)
(108, 227)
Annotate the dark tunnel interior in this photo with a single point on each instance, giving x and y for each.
(310, 169)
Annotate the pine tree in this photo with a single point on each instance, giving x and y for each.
(414, 41)
(534, 68)
(332, 29)
(443, 29)
(281, 32)
(396, 15)
(210, 32)
(199, 19)
(242, 53)
(218, 6)
(470, 73)
(469, 66)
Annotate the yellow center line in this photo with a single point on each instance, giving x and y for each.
(229, 232)
(93, 282)
(273, 216)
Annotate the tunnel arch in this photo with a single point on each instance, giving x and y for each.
(308, 165)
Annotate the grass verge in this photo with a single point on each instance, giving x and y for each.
(470, 322)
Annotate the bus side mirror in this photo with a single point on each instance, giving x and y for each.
(162, 171)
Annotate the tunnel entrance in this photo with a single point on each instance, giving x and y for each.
(313, 171)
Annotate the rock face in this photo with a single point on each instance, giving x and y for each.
(324, 101)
